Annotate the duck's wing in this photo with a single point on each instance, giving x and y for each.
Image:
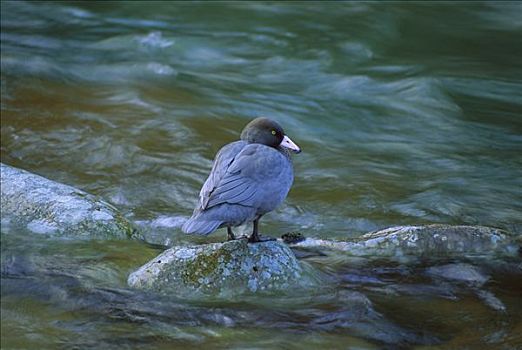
(222, 162)
(239, 182)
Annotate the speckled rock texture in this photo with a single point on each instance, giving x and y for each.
(426, 241)
(46, 207)
(233, 267)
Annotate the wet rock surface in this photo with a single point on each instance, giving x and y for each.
(47, 207)
(470, 276)
(425, 241)
(231, 267)
(459, 272)
(237, 267)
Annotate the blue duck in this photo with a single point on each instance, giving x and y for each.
(248, 179)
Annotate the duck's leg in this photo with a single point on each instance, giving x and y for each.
(254, 238)
(255, 235)
(230, 234)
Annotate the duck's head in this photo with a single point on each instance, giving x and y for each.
(268, 132)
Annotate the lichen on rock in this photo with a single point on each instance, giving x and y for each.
(232, 267)
(47, 207)
(436, 240)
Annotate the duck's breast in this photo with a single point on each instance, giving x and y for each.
(274, 175)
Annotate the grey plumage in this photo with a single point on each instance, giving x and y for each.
(247, 180)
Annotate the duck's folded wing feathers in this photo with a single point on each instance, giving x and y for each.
(241, 180)
(224, 158)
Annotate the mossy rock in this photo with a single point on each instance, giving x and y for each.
(232, 267)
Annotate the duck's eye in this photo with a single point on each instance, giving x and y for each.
(273, 132)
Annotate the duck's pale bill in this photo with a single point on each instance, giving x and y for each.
(287, 143)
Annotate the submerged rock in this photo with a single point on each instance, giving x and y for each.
(471, 276)
(48, 207)
(233, 267)
(425, 241)
(491, 300)
(460, 272)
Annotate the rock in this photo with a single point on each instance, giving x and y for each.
(491, 300)
(470, 276)
(459, 272)
(425, 241)
(47, 207)
(233, 267)
(293, 237)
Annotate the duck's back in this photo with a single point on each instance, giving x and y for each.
(252, 175)
(247, 180)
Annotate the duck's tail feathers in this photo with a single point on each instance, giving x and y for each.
(200, 226)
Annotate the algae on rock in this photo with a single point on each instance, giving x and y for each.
(232, 267)
(48, 207)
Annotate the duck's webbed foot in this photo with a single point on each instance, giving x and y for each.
(259, 239)
(255, 238)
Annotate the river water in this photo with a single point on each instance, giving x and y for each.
(407, 113)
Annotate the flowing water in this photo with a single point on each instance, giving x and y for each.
(407, 113)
